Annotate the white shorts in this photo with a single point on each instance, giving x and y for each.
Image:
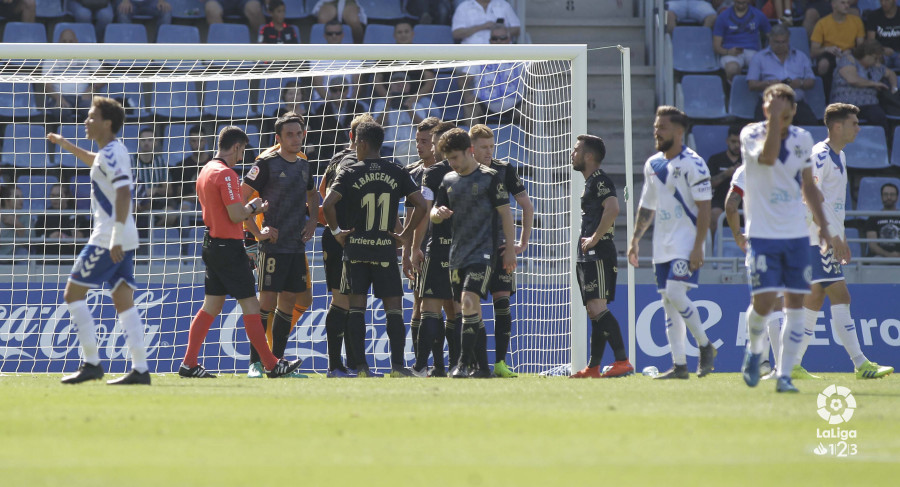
(695, 10)
(743, 59)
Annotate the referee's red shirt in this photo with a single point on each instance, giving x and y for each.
(217, 187)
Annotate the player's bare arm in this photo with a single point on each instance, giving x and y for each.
(418, 214)
(814, 199)
(330, 213)
(509, 233)
(527, 207)
(312, 203)
(84, 156)
(238, 212)
(123, 202)
(704, 208)
(261, 234)
(610, 212)
(732, 203)
(641, 224)
(440, 213)
(779, 114)
(417, 256)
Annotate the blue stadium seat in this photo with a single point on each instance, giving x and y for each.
(175, 145)
(165, 246)
(709, 139)
(867, 5)
(818, 132)
(869, 198)
(317, 34)
(800, 39)
(510, 144)
(692, 50)
(36, 189)
(178, 100)
(856, 248)
(228, 34)
(75, 133)
(193, 242)
(379, 34)
(49, 9)
(228, 99)
(186, 9)
(81, 190)
(869, 151)
(132, 94)
(178, 34)
(295, 9)
(269, 97)
(252, 132)
(815, 98)
(25, 145)
(24, 32)
(17, 101)
(383, 9)
(703, 96)
(83, 31)
(126, 33)
(895, 150)
(447, 95)
(433, 34)
(742, 101)
(129, 136)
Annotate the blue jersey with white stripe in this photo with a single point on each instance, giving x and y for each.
(111, 170)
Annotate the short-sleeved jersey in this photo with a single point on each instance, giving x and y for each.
(415, 170)
(513, 185)
(340, 160)
(268, 34)
(111, 170)
(773, 199)
(372, 190)
(474, 199)
(738, 181)
(432, 177)
(830, 175)
(218, 186)
(672, 188)
(284, 185)
(597, 188)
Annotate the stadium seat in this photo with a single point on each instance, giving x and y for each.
(446, 95)
(867, 5)
(81, 190)
(269, 97)
(130, 95)
(186, 9)
(83, 31)
(856, 248)
(36, 189)
(228, 99)
(383, 9)
(869, 198)
(178, 100)
(25, 145)
(379, 34)
(17, 101)
(75, 133)
(510, 144)
(49, 9)
(800, 39)
(228, 34)
(193, 242)
(129, 136)
(174, 144)
(317, 34)
(869, 151)
(815, 98)
(252, 133)
(692, 50)
(895, 150)
(742, 101)
(24, 32)
(709, 139)
(178, 34)
(165, 246)
(295, 9)
(702, 96)
(818, 132)
(432, 34)
(126, 33)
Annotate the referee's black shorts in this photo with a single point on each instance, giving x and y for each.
(333, 257)
(597, 279)
(228, 269)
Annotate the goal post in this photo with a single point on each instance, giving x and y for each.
(172, 91)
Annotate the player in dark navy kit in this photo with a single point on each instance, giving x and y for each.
(371, 190)
(597, 268)
(472, 194)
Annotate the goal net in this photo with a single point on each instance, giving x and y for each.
(178, 97)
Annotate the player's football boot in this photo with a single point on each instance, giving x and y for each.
(707, 362)
(503, 370)
(676, 372)
(784, 385)
(419, 373)
(461, 372)
(195, 372)
(132, 378)
(799, 373)
(871, 370)
(480, 373)
(339, 373)
(85, 372)
(401, 372)
(366, 373)
(437, 372)
(255, 371)
(772, 374)
(750, 367)
(620, 368)
(297, 375)
(587, 373)
(283, 368)
(765, 369)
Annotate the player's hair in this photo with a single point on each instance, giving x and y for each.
(481, 131)
(289, 117)
(735, 129)
(428, 124)
(594, 145)
(371, 133)
(779, 90)
(230, 136)
(675, 115)
(442, 128)
(838, 112)
(885, 185)
(365, 117)
(110, 110)
(273, 4)
(455, 139)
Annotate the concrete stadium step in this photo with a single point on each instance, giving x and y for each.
(596, 32)
(578, 9)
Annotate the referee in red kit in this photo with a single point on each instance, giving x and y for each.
(227, 265)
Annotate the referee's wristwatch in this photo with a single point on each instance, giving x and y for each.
(252, 206)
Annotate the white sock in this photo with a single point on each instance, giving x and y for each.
(842, 325)
(676, 333)
(756, 326)
(809, 328)
(81, 317)
(134, 337)
(791, 338)
(676, 293)
(774, 326)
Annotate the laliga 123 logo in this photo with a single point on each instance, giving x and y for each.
(836, 405)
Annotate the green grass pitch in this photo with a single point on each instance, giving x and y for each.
(399, 432)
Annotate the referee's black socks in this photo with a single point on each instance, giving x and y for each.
(335, 323)
(264, 317)
(281, 331)
(396, 332)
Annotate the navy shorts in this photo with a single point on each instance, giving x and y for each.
(825, 269)
(678, 270)
(94, 266)
(779, 265)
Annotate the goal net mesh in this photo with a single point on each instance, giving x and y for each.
(174, 110)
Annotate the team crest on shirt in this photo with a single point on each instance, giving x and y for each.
(374, 166)
(676, 173)
(798, 151)
(254, 171)
(475, 189)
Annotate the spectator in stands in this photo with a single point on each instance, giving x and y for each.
(292, 100)
(498, 87)
(72, 99)
(23, 10)
(700, 11)
(97, 12)
(780, 63)
(883, 25)
(329, 123)
(183, 176)
(474, 19)
(334, 34)
(403, 32)
(431, 11)
(63, 225)
(736, 36)
(278, 31)
(14, 227)
(159, 10)
(151, 178)
(252, 10)
(343, 12)
(885, 226)
(858, 80)
(814, 10)
(833, 37)
(721, 168)
(400, 112)
(421, 81)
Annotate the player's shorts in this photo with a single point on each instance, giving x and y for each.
(94, 266)
(678, 270)
(597, 278)
(474, 278)
(501, 280)
(228, 269)
(434, 280)
(333, 258)
(383, 277)
(283, 272)
(779, 265)
(825, 268)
